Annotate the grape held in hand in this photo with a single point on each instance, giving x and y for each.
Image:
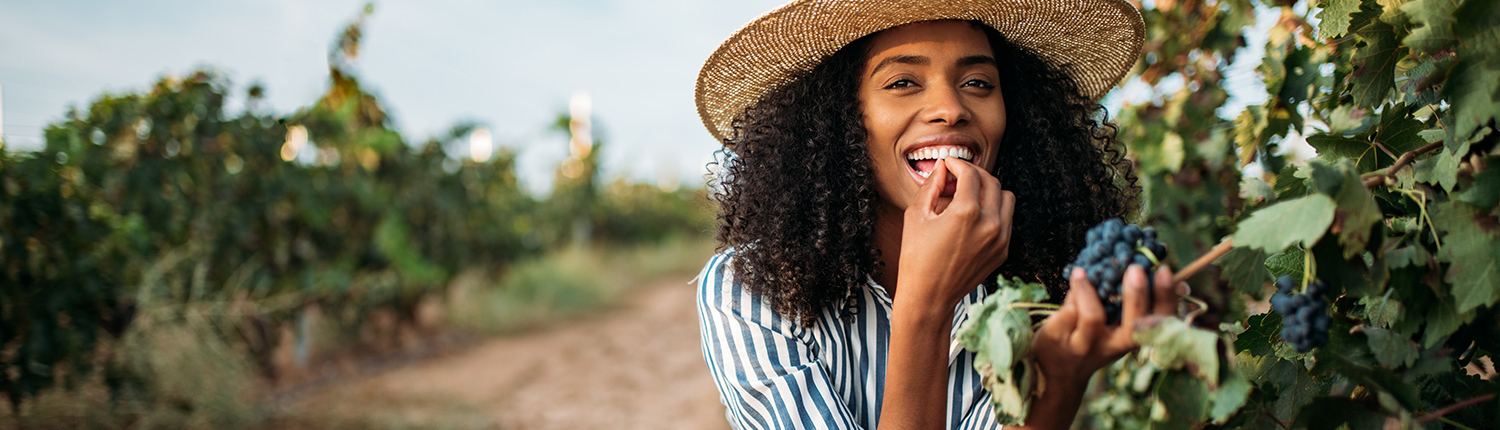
(1109, 248)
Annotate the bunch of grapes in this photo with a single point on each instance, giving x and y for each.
(1111, 247)
(1305, 319)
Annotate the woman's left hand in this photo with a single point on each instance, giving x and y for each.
(1076, 341)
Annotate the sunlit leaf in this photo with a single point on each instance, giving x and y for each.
(1302, 220)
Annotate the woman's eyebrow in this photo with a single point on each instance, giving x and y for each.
(973, 60)
(916, 60)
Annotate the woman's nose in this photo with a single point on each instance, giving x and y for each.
(944, 106)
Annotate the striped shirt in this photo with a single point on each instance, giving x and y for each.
(773, 373)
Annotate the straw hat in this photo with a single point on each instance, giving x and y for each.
(1093, 41)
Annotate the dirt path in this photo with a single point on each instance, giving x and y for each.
(638, 366)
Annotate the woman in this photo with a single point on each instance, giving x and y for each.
(881, 160)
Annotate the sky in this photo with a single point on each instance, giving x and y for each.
(511, 66)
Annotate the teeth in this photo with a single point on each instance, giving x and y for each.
(925, 174)
(933, 153)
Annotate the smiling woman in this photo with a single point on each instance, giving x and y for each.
(884, 162)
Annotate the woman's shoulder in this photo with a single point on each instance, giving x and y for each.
(721, 292)
(717, 283)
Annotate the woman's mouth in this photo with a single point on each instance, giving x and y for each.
(924, 159)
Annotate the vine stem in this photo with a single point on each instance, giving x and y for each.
(1435, 415)
(1197, 265)
(1406, 158)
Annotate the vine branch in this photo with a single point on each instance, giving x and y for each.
(1453, 407)
(1213, 254)
(1378, 178)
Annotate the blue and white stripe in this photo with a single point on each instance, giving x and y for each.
(775, 374)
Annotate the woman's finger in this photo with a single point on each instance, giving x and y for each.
(1090, 310)
(1135, 290)
(931, 189)
(1135, 307)
(970, 185)
(1167, 294)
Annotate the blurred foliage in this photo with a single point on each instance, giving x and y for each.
(161, 206)
(1397, 211)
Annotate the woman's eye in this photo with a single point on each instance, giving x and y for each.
(979, 83)
(904, 83)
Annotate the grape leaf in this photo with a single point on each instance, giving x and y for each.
(1442, 321)
(1472, 247)
(1243, 268)
(1411, 255)
(1484, 193)
(1230, 397)
(1330, 413)
(1380, 311)
(1334, 18)
(1432, 24)
(1356, 212)
(1391, 349)
(1375, 63)
(1474, 82)
(1349, 119)
(1174, 344)
(1000, 336)
(1302, 220)
(1261, 332)
(1289, 185)
(1183, 402)
(1288, 263)
(1332, 359)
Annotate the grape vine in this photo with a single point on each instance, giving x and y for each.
(1353, 284)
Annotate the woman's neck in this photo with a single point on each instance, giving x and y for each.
(888, 225)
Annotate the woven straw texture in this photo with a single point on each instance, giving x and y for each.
(1094, 41)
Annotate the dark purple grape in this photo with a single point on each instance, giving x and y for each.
(1109, 249)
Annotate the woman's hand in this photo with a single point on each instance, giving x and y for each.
(1075, 342)
(950, 246)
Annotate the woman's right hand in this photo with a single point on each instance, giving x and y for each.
(949, 245)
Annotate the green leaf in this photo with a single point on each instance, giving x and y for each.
(1432, 24)
(1334, 18)
(1000, 336)
(1289, 185)
(1349, 119)
(1303, 220)
(1375, 63)
(1230, 396)
(1471, 244)
(1183, 402)
(1391, 349)
(1330, 413)
(1381, 311)
(1445, 166)
(1244, 268)
(1484, 193)
(1288, 263)
(1174, 344)
(1356, 213)
(1260, 335)
(1473, 85)
(1398, 133)
(1410, 255)
(1442, 320)
(1255, 189)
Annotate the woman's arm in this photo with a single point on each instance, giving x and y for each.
(931, 280)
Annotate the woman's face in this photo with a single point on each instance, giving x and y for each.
(929, 89)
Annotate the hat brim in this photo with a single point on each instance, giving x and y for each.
(1093, 41)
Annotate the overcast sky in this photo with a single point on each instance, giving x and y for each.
(509, 65)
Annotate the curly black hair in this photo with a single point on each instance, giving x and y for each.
(797, 196)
